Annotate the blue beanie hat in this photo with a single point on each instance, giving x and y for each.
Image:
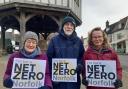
(69, 19)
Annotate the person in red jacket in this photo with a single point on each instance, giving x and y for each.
(99, 49)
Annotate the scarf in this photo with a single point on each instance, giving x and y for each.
(32, 55)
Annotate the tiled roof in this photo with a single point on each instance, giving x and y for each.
(115, 26)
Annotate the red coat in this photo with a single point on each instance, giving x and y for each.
(108, 54)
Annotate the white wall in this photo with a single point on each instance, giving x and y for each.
(124, 34)
(127, 46)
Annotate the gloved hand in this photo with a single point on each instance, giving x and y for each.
(79, 68)
(44, 87)
(8, 83)
(118, 83)
(85, 82)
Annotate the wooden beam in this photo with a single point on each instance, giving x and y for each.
(22, 27)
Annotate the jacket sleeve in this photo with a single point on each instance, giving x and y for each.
(83, 72)
(50, 54)
(8, 70)
(81, 53)
(118, 66)
(47, 76)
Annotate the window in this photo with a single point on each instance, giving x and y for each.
(107, 29)
(119, 36)
(110, 38)
(119, 26)
(122, 25)
(77, 2)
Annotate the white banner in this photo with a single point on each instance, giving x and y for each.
(101, 73)
(63, 70)
(28, 73)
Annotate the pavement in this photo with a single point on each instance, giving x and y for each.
(3, 62)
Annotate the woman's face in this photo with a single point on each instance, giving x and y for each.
(97, 39)
(30, 45)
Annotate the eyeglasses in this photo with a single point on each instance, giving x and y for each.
(97, 37)
(31, 41)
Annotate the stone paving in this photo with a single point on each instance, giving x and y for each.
(3, 62)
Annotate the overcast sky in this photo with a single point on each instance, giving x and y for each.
(97, 12)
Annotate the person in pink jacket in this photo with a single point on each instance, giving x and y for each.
(99, 49)
(30, 50)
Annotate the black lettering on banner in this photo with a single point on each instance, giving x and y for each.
(26, 71)
(17, 70)
(55, 65)
(55, 72)
(97, 74)
(90, 71)
(72, 72)
(103, 66)
(66, 65)
(32, 66)
(40, 76)
(61, 72)
(66, 72)
(25, 67)
(61, 68)
(17, 67)
(24, 75)
(32, 75)
(103, 75)
(16, 76)
(96, 67)
(111, 75)
(55, 68)
(89, 68)
(90, 75)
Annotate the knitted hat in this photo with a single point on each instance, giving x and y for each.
(30, 35)
(69, 19)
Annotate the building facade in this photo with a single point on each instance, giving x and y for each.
(41, 16)
(118, 35)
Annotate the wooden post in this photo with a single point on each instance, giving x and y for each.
(3, 37)
(22, 27)
(2, 40)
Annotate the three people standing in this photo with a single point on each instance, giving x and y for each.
(67, 45)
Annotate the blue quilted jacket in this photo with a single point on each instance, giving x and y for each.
(62, 46)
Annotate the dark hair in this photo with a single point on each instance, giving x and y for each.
(105, 42)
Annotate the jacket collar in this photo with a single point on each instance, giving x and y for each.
(102, 50)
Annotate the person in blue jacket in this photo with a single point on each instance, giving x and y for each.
(67, 45)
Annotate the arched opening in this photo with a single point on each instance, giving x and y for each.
(42, 24)
(8, 24)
